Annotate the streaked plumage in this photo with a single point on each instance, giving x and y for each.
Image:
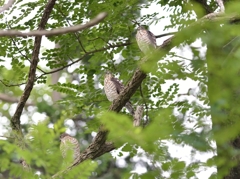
(146, 40)
(112, 88)
(69, 143)
(138, 116)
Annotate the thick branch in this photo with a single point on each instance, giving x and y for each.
(128, 91)
(139, 75)
(15, 121)
(99, 142)
(97, 148)
(41, 32)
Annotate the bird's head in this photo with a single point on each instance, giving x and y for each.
(108, 74)
(140, 28)
(63, 135)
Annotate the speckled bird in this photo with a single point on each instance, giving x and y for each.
(146, 40)
(69, 143)
(112, 88)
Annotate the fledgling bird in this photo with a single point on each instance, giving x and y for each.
(138, 116)
(146, 40)
(70, 144)
(112, 88)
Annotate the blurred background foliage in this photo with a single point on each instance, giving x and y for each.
(72, 98)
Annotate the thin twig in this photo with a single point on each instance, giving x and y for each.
(57, 31)
(59, 69)
(70, 64)
(8, 85)
(88, 53)
(20, 51)
(75, 33)
(14, 43)
(98, 38)
(166, 34)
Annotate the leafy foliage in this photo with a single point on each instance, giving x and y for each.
(80, 59)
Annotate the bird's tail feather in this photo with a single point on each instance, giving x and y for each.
(129, 108)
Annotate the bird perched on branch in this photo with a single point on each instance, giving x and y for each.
(146, 40)
(112, 88)
(71, 145)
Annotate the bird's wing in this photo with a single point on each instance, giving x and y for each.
(152, 38)
(119, 86)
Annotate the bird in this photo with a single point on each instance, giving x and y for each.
(112, 88)
(71, 145)
(146, 40)
(25, 165)
(138, 116)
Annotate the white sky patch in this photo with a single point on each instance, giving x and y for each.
(71, 128)
(51, 126)
(93, 134)
(6, 63)
(5, 106)
(12, 109)
(72, 68)
(121, 162)
(62, 79)
(4, 122)
(24, 119)
(47, 98)
(37, 117)
(139, 168)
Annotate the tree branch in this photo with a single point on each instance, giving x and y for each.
(10, 99)
(166, 34)
(128, 91)
(7, 6)
(98, 146)
(213, 17)
(88, 53)
(221, 5)
(8, 85)
(41, 32)
(75, 34)
(70, 64)
(25, 56)
(15, 121)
